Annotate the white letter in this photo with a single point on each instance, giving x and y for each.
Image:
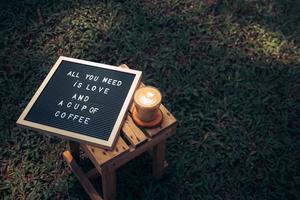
(70, 73)
(76, 106)
(86, 98)
(119, 83)
(83, 107)
(80, 97)
(93, 110)
(74, 96)
(63, 115)
(80, 119)
(56, 113)
(60, 103)
(69, 104)
(70, 115)
(87, 87)
(87, 76)
(75, 84)
(106, 90)
(86, 121)
(100, 89)
(75, 117)
(104, 79)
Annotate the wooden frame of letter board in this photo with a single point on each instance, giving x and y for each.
(109, 144)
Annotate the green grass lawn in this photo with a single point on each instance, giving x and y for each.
(228, 70)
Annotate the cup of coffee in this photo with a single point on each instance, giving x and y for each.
(147, 101)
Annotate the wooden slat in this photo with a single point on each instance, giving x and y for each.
(92, 174)
(81, 177)
(124, 66)
(124, 158)
(74, 149)
(133, 134)
(168, 120)
(158, 163)
(100, 156)
(109, 183)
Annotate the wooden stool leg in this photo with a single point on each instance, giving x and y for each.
(74, 149)
(108, 184)
(158, 155)
(85, 182)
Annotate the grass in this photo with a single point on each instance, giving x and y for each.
(229, 71)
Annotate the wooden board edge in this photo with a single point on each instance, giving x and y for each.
(44, 129)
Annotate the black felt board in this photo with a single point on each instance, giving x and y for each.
(61, 88)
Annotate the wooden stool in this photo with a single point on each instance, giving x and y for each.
(132, 142)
